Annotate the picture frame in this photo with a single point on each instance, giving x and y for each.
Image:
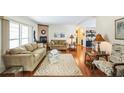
(59, 35)
(119, 29)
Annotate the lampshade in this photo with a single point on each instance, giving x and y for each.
(99, 38)
(71, 36)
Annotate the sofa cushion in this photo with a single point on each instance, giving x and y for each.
(26, 52)
(52, 42)
(55, 41)
(23, 47)
(115, 59)
(62, 42)
(122, 58)
(58, 42)
(118, 48)
(18, 50)
(29, 47)
(38, 51)
(116, 53)
(40, 45)
(34, 45)
(122, 51)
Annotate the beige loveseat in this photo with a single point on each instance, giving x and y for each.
(58, 44)
(28, 56)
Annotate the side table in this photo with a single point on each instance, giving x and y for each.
(14, 71)
(72, 47)
(102, 55)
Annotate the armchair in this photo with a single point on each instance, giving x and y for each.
(115, 65)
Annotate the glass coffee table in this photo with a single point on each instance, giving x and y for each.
(53, 56)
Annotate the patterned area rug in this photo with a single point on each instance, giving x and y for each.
(65, 66)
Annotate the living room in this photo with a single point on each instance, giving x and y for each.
(82, 59)
(71, 30)
(67, 28)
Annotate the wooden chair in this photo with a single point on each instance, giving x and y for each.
(89, 58)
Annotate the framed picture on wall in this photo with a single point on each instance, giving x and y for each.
(119, 29)
(59, 35)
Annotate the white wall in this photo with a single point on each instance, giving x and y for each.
(105, 25)
(66, 29)
(90, 23)
(70, 29)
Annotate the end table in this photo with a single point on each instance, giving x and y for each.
(72, 47)
(14, 71)
(102, 55)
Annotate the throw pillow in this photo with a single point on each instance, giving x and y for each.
(29, 47)
(40, 45)
(34, 45)
(115, 59)
(52, 42)
(18, 50)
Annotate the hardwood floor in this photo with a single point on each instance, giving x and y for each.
(79, 55)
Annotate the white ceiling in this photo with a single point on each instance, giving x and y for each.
(50, 20)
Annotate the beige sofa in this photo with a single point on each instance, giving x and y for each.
(58, 44)
(28, 56)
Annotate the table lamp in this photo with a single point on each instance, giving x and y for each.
(99, 39)
(71, 37)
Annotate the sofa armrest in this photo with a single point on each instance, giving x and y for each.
(25, 60)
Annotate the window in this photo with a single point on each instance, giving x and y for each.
(14, 35)
(24, 34)
(19, 34)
